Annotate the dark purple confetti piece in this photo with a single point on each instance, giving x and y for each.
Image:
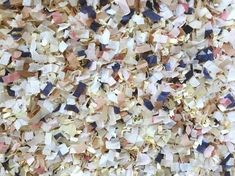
(126, 18)
(116, 67)
(47, 89)
(225, 160)
(135, 92)
(72, 108)
(95, 26)
(7, 4)
(197, 70)
(148, 104)
(81, 87)
(16, 36)
(94, 125)
(116, 110)
(58, 135)
(87, 63)
(159, 81)
(5, 164)
(163, 96)
(167, 66)
(230, 97)
(190, 11)
(10, 92)
(175, 80)
(15, 30)
(104, 2)
(227, 173)
(89, 10)
(149, 4)
(187, 29)
(152, 15)
(81, 53)
(182, 64)
(25, 54)
(82, 3)
(202, 147)
(208, 33)
(57, 108)
(189, 74)
(102, 47)
(159, 158)
(16, 33)
(204, 55)
(151, 60)
(206, 74)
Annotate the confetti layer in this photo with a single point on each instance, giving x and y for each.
(117, 87)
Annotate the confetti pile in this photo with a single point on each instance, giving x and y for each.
(117, 87)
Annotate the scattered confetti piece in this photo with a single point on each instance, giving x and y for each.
(159, 157)
(152, 15)
(95, 26)
(187, 29)
(81, 87)
(47, 89)
(163, 96)
(89, 10)
(205, 55)
(116, 110)
(71, 108)
(202, 147)
(151, 60)
(126, 18)
(148, 104)
(5, 59)
(11, 77)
